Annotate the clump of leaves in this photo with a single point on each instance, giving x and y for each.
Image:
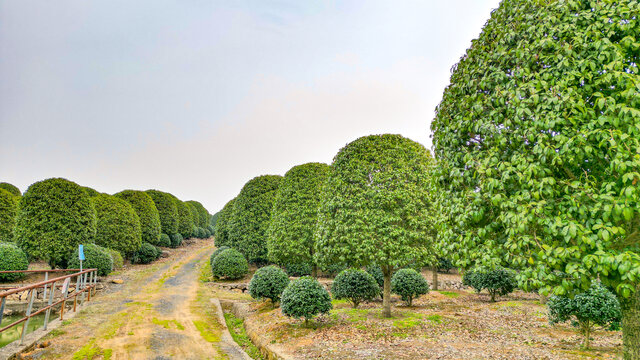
(229, 264)
(305, 298)
(409, 284)
(268, 282)
(355, 285)
(497, 281)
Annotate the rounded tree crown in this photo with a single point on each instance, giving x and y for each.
(147, 213)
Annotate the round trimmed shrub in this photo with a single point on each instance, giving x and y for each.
(203, 214)
(117, 225)
(305, 298)
(167, 210)
(8, 213)
(54, 217)
(118, 261)
(146, 254)
(498, 281)
(207, 233)
(200, 234)
(164, 240)
(268, 283)
(223, 225)
(216, 253)
(471, 279)
(147, 214)
(12, 258)
(229, 264)
(251, 216)
(95, 257)
(355, 285)
(299, 269)
(12, 189)
(595, 307)
(176, 240)
(409, 284)
(91, 192)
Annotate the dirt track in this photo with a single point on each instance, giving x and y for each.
(160, 312)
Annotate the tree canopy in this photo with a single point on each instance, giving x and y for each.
(538, 138)
(223, 225)
(251, 215)
(147, 214)
(290, 236)
(376, 206)
(8, 212)
(117, 226)
(167, 209)
(12, 189)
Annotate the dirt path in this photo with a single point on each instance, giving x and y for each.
(160, 312)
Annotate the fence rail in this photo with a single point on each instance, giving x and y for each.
(85, 283)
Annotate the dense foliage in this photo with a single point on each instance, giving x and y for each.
(176, 240)
(118, 261)
(185, 220)
(251, 216)
(8, 213)
(223, 225)
(12, 189)
(12, 258)
(167, 210)
(146, 254)
(596, 306)
(203, 214)
(229, 264)
(147, 214)
(375, 271)
(298, 269)
(305, 298)
(290, 235)
(268, 283)
(216, 253)
(54, 217)
(212, 221)
(409, 284)
(117, 225)
(355, 285)
(164, 240)
(376, 207)
(195, 217)
(538, 136)
(444, 265)
(497, 281)
(96, 257)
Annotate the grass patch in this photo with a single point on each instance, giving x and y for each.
(450, 294)
(435, 318)
(91, 350)
(167, 323)
(239, 335)
(207, 331)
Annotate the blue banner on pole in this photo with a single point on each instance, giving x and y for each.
(80, 252)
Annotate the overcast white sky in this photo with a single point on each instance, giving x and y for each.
(196, 97)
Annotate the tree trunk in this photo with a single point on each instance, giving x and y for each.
(631, 326)
(435, 277)
(314, 271)
(386, 293)
(586, 331)
(493, 296)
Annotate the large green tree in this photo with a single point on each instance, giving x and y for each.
(538, 136)
(54, 216)
(251, 215)
(10, 188)
(167, 210)
(203, 214)
(290, 236)
(8, 212)
(185, 219)
(376, 207)
(117, 224)
(147, 213)
(223, 224)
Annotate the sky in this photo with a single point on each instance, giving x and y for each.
(196, 97)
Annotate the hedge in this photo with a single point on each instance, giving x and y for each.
(176, 240)
(8, 213)
(251, 216)
(203, 214)
(118, 261)
(12, 258)
(54, 217)
(223, 225)
(167, 210)
(95, 257)
(147, 213)
(12, 189)
(185, 221)
(118, 226)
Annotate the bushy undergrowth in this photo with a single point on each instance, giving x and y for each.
(498, 281)
(147, 253)
(164, 240)
(95, 257)
(268, 282)
(176, 240)
(12, 258)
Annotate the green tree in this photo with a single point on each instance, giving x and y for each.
(290, 235)
(8, 212)
(223, 225)
(251, 216)
(12, 189)
(117, 224)
(376, 207)
(193, 210)
(185, 220)
(167, 210)
(147, 213)
(203, 214)
(537, 138)
(54, 217)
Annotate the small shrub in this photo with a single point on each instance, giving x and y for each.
(176, 240)
(95, 257)
(207, 233)
(498, 281)
(12, 258)
(305, 298)
(355, 285)
(595, 307)
(164, 240)
(217, 252)
(201, 233)
(268, 282)
(444, 265)
(118, 261)
(230, 264)
(409, 284)
(300, 269)
(146, 254)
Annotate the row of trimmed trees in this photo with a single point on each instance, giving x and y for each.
(54, 216)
